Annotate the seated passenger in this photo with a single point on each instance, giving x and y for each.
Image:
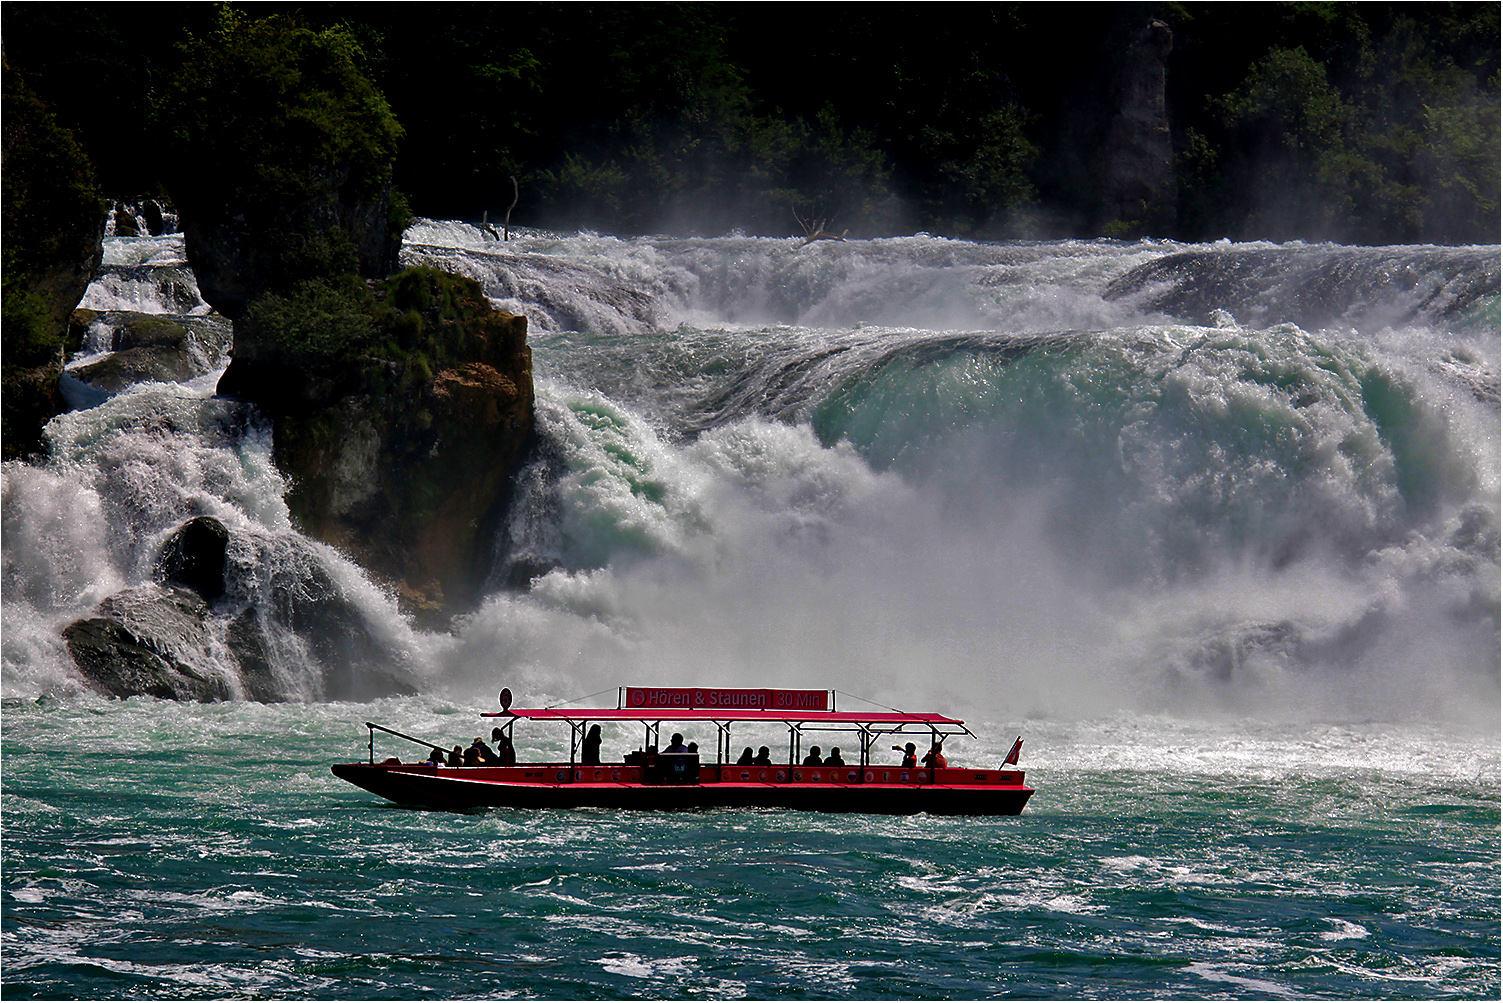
(487, 757)
(746, 757)
(834, 758)
(676, 745)
(935, 757)
(813, 758)
(472, 755)
(505, 754)
(436, 757)
(590, 754)
(910, 756)
(456, 756)
(693, 749)
(764, 757)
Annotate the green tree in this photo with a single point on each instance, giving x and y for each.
(282, 147)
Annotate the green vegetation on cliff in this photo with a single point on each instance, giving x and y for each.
(339, 330)
(270, 108)
(53, 214)
(53, 219)
(280, 160)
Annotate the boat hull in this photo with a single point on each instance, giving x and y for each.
(462, 788)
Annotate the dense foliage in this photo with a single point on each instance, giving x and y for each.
(1358, 122)
(255, 101)
(52, 209)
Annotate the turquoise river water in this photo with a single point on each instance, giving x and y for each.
(1214, 527)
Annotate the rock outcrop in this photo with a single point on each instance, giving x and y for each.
(1139, 188)
(282, 168)
(166, 349)
(241, 247)
(400, 450)
(400, 404)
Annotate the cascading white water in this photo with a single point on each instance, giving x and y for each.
(1042, 478)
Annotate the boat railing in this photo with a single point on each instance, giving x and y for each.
(392, 731)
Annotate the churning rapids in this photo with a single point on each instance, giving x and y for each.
(1215, 527)
(1027, 478)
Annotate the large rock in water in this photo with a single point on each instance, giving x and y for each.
(193, 557)
(148, 641)
(206, 631)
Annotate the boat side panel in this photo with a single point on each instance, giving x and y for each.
(482, 787)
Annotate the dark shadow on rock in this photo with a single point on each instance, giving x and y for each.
(193, 557)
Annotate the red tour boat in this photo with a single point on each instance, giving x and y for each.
(652, 780)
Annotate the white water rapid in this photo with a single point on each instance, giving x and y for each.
(1055, 478)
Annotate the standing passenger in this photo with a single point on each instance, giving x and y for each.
(590, 755)
(504, 751)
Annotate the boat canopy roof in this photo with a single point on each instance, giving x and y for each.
(889, 718)
(793, 708)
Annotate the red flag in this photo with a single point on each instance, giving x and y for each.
(1012, 757)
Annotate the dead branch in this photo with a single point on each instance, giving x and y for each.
(485, 224)
(818, 232)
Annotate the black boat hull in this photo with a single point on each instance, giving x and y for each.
(460, 789)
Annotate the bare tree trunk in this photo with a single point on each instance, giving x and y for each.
(507, 228)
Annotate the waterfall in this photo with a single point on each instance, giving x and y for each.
(1048, 476)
